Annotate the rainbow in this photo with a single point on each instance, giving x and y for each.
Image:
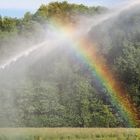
(87, 50)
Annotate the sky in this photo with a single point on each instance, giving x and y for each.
(17, 8)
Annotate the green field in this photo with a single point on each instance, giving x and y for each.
(69, 134)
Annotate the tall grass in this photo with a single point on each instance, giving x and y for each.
(69, 134)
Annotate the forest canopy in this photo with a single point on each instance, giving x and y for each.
(58, 90)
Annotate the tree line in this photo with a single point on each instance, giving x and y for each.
(59, 90)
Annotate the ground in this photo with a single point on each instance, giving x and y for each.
(69, 134)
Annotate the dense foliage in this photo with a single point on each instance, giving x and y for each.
(58, 89)
(121, 46)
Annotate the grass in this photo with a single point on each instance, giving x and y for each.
(69, 134)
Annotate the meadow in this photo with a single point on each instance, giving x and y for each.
(69, 134)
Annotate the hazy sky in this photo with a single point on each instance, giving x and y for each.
(17, 8)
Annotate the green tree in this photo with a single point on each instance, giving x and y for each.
(128, 67)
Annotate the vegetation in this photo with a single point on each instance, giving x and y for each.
(69, 134)
(60, 90)
(121, 48)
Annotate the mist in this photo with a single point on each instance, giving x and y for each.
(41, 75)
